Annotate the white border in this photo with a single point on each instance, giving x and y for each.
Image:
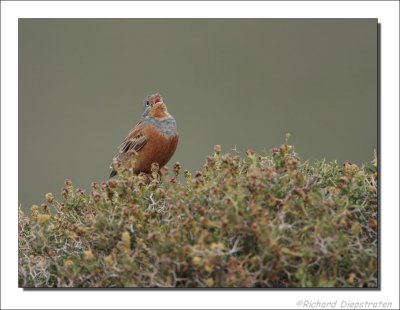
(12, 297)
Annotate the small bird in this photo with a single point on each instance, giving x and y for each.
(153, 140)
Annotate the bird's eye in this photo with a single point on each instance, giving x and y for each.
(147, 103)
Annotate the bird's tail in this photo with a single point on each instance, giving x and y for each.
(113, 173)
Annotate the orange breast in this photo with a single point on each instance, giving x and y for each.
(158, 149)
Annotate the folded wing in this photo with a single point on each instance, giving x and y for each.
(135, 140)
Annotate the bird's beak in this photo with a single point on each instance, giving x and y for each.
(158, 99)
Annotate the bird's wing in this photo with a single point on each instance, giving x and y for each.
(135, 140)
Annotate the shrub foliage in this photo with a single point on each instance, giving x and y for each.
(266, 220)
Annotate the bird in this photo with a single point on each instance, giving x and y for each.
(154, 138)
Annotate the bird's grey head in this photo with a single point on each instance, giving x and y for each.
(150, 102)
(146, 106)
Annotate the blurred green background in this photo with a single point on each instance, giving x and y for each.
(234, 82)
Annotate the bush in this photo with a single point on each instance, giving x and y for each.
(262, 221)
